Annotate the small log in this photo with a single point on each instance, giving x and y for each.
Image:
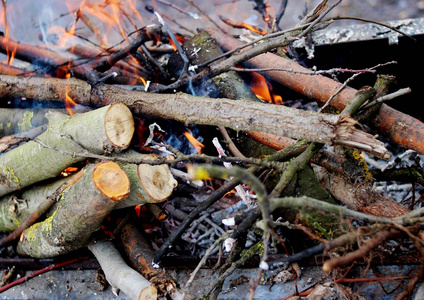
(9, 141)
(78, 214)
(149, 183)
(13, 120)
(401, 128)
(119, 274)
(31, 53)
(102, 131)
(16, 207)
(360, 197)
(42, 56)
(141, 255)
(11, 70)
(242, 115)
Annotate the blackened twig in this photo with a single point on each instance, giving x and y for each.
(143, 36)
(176, 43)
(281, 12)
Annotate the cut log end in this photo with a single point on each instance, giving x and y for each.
(119, 125)
(148, 293)
(111, 180)
(157, 181)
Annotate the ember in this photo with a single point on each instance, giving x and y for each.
(127, 135)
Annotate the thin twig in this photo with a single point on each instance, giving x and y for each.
(204, 258)
(391, 96)
(349, 80)
(374, 22)
(312, 72)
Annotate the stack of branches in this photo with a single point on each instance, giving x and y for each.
(52, 215)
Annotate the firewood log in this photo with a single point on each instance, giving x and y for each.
(149, 183)
(140, 255)
(243, 115)
(360, 196)
(119, 274)
(105, 130)
(13, 120)
(78, 214)
(7, 142)
(11, 70)
(16, 207)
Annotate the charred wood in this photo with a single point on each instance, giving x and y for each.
(141, 255)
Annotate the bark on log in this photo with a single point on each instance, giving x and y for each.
(360, 197)
(141, 255)
(13, 120)
(7, 142)
(401, 128)
(78, 214)
(120, 275)
(149, 183)
(42, 56)
(11, 70)
(102, 131)
(17, 207)
(242, 115)
(32, 53)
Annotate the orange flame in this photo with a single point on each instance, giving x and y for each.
(263, 89)
(180, 39)
(11, 56)
(3, 21)
(243, 25)
(69, 103)
(138, 210)
(69, 170)
(196, 144)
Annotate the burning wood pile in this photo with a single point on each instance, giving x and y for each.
(116, 115)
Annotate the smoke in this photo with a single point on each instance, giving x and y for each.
(45, 20)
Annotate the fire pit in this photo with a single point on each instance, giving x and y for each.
(136, 145)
